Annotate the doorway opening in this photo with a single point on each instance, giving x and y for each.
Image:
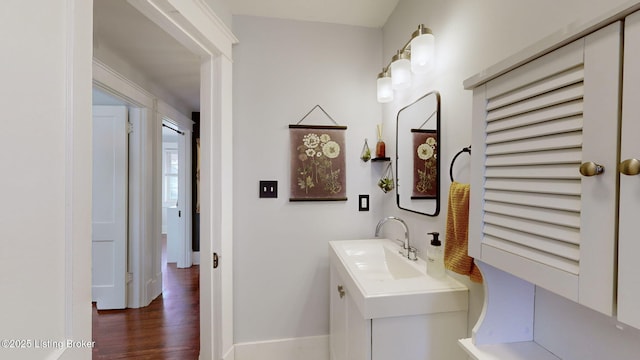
(151, 286)
(183, 21)
(177, 200)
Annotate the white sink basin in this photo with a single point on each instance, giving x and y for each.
(383, 283)
(377, 262)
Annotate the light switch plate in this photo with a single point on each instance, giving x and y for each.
(268, 188)
(363, 202)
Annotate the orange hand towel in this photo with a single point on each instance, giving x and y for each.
(457, 233)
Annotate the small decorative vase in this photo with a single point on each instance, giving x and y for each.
(380, 149)
(366, 152)
(380, 146)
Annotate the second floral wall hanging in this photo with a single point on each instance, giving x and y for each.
(425, 164)
(318, 166)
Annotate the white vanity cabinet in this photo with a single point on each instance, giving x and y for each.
(383, 306)
(414, 337)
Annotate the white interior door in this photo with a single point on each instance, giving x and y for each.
(109, 213)
(171, 165)
(177, 195)
(184, 201)
(175, 232)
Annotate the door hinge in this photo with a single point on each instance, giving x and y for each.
(129, 277)
(129, 128)
(215, 260)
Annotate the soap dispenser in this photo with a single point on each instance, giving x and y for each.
(435, 257)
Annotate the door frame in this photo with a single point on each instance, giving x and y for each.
(143, 221)
(168, 114)
(197, 27)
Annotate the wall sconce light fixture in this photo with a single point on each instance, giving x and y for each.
(385, 89)
(415, 56)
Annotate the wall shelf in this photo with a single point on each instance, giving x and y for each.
(526, 350)
(381, 159)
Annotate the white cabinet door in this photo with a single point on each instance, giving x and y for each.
(629, 238)
(533, 127)
(109, 215)
(350, 332)
(338, 318)
(359, 338)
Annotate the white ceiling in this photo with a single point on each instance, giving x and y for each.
(163, 61)
(171, 67)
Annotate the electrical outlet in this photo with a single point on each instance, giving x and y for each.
(268, 188)
(363, 203)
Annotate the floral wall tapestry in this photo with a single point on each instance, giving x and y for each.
(318, 170)
(425, 164)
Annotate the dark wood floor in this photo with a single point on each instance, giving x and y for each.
(169, 328)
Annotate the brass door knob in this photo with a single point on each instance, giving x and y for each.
(341, 291)
(630, 167)
(591, 169)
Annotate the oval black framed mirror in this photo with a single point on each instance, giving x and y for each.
(418, 156)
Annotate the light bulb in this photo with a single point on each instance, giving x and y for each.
(422, 50)
(401, 71)
(385, 90)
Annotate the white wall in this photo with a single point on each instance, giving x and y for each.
(574, 332)
(471, 36)
(46, 89)
(33, 174)
(222, 11)
(281, 70)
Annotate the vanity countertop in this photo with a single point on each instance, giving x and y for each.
(383, 283)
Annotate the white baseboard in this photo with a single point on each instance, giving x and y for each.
(195, 257)
(307, 348)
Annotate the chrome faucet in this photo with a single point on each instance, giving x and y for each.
(407, 250)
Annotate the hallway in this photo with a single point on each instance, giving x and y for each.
(168, 328)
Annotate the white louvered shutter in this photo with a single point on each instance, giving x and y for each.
(538, 217)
